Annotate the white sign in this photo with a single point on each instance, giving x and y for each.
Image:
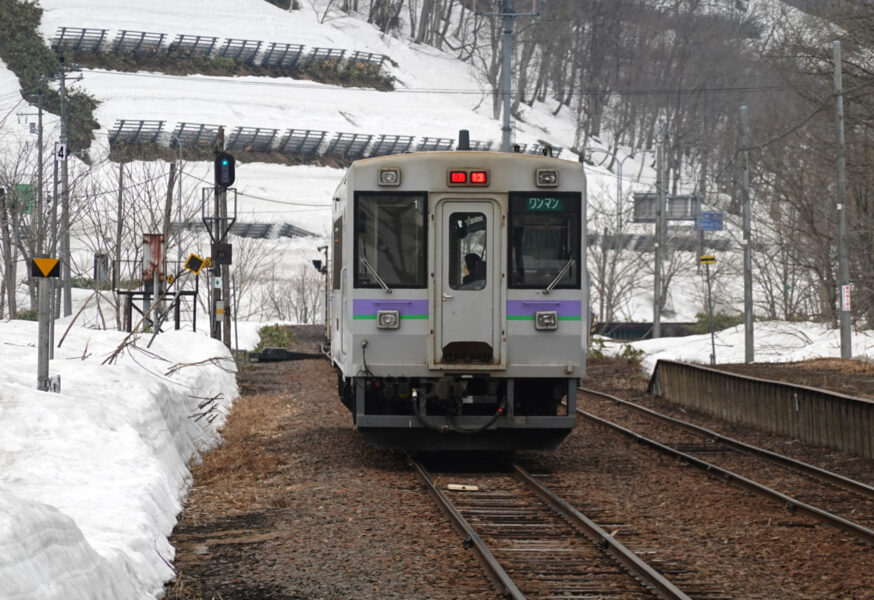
(846, 305)
(217, 283)
(61, 151)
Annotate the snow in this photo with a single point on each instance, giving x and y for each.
(95, 475)
(774, 341)
(92, 478)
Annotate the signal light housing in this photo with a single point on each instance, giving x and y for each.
(469, 177)
(224, 170)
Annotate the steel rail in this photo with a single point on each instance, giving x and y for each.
(791, 504)
(493, 569)
(651, 578)
(808, 469)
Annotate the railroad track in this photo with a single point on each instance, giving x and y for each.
(533, 544)
(838, 501)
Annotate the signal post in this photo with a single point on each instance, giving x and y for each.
(218, 225)
(46, 269)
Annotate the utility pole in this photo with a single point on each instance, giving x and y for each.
(40, 217)
(116, 272)
(508, 14)
(179, 228)
(56, 291)
(66, 260)
(843, 258)
(749, 352)
(38, 220)
(659, 232)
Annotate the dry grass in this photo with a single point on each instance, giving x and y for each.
(182, 589)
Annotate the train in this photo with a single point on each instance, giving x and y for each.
(457, 298)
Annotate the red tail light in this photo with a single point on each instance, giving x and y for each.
(479, 177)
(457, 177)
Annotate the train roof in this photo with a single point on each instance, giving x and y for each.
(448, 156)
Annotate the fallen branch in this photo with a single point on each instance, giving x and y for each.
(79, 312)
(215, 360)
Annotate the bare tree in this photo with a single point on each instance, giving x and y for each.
(297, 299)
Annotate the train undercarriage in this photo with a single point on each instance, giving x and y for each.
(461, 411)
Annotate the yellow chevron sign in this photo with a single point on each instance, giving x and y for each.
(45, 267)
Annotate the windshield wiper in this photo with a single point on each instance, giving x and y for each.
(375, 275)
(561, 274)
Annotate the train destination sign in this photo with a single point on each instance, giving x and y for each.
(544, 204)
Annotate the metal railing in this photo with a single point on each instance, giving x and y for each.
(812, 415)
(303, 142)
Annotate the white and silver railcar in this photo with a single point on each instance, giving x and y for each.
(458, 313)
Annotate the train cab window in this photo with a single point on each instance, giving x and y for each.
(467, 251)
(544, 243)
(390, 242)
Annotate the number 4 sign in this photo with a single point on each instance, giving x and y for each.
(61, 151)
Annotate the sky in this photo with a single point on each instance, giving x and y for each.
(92, 477)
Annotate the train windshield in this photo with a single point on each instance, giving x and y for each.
(545, 240)
(390, 240)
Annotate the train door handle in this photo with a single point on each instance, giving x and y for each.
(447, 296)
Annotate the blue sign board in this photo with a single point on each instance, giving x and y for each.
(709, 221)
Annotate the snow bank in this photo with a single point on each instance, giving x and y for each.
(775, 341)
(91, 479)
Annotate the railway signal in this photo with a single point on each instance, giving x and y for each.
(224, 170)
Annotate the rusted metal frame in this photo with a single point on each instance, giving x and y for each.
(493, 569)
(650, 578)
(808, 469)
(790, 504)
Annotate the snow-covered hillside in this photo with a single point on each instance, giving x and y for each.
(435, 96)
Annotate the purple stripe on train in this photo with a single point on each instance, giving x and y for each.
(404, 307)
(527, 308)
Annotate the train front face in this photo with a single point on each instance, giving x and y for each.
(459, 306)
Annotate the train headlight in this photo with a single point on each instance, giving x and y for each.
(388, 319)
(547, 178)
(545, 320)
(390, 177)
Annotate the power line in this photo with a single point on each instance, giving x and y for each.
(6, 116)
(274, 201)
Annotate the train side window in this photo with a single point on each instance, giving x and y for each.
(544, 238)
(337, 252)
(390, 238)
(467, 251)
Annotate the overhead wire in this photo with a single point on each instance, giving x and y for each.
(272, 200)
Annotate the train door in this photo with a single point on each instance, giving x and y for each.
(467, 282)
